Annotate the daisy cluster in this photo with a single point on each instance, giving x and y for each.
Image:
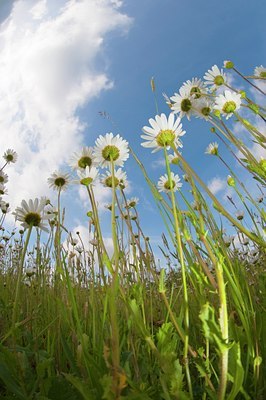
(109, 150)
(10, 156)
(199, 97)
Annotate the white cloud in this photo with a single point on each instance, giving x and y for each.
(49, 68)
(216, 185)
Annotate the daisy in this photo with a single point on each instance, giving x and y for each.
(3, 178)
(260, 72)
(228, 103)
(120, 179)
(231, 181)
(215, 77)
(163, 132)
(240, 215)
(129, 215)
(166, 185)
(108, 206)
(82, 159)
(228, 64)
(195, 88)
(10, 156)
(3, 190)
(111, 148)
(173, 159)
(59, 181)
(32, 214)
(132, 202)
(88, 176)
(228, 240)
(203, 108)
(182, 103)
(212, 149)
(4, 207)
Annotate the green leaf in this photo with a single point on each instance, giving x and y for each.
(236, 371)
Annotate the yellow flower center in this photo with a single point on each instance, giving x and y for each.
(186, 105)
(205, 111)
(165, 138)
(229, 107)
(33, 219)
(109, 182)
(195, 92)
(60, 181)
(169, 184)
(84, 162)
(219, 80)
(110, 153)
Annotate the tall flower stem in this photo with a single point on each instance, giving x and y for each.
(98, 231)
(113, 296)
(19, 276)
(58, 237)
(179, 248)
(248, 81)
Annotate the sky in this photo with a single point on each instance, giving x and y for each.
(62, 62)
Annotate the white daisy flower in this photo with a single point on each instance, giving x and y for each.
(260, 72)
(10, 156)
(132, 202)
(228, 64)
(59, 180)
(3, 178)
(173, 159)
(240, 215)
(182, 103)
(120, 179)
(32, 214)
(212, 149)
(88, 176)
(4, 207)
(30, 271)
(82, 159)
(228, 103)
(165, 185)
(203, 108)
(111, 148)
(108, 206)
(129, 215)
(215, 77)
(195, 88)
(260, 199)
(228, 240)
(245, 241)
(163, 132)
(3, 190)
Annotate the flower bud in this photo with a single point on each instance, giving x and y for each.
(228, 64)
(231, 181)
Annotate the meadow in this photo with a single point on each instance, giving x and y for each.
(79, 322)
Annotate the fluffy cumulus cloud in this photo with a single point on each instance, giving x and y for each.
(216, 185)
(49, 64)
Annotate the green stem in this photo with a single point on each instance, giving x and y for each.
(113, 296)
(18, 284)
(179, 249)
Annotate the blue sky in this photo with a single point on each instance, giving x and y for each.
(170, 40)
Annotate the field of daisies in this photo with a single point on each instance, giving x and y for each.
(81, 322)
